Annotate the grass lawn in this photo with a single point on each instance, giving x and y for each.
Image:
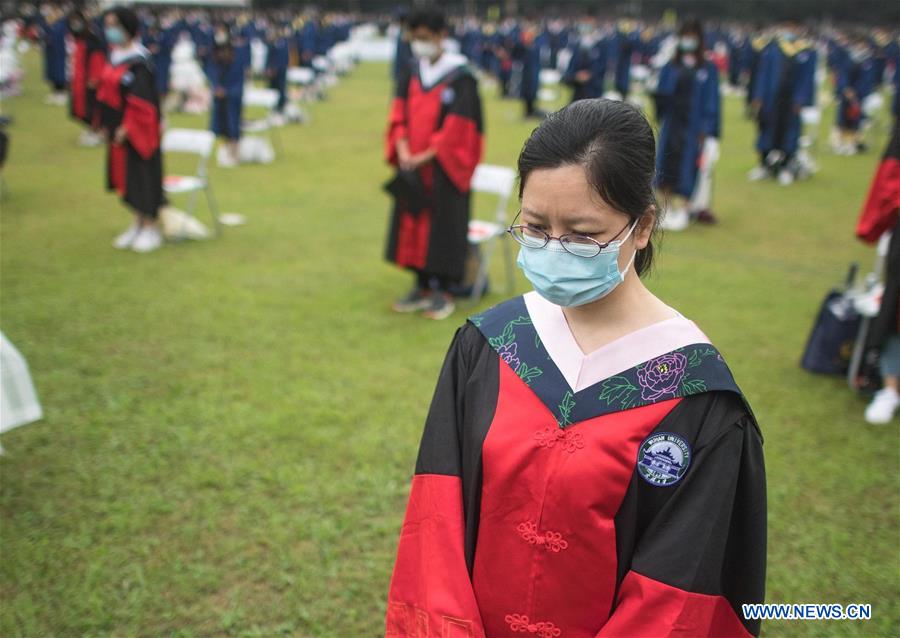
(231, 426)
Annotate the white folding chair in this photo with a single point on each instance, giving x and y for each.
(193, 142)
(267, 99)
(499, 181)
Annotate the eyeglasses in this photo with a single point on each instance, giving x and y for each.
(574, 243)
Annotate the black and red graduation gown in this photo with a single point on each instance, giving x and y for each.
(129, 97)
(880, 215)
(634, 507)
(445, 117)
(88, 62)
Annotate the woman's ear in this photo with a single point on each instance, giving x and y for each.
(644, 229)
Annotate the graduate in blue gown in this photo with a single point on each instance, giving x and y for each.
(225, 70)
(527, 52)
(586, 72)
(277, 61)
(160, 38)
(856, 78)
(54, 28)
(305, 38)
(784, 83)
(623, 45)
(402, 53)
(689, 110)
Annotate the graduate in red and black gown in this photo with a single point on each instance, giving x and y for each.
(880, 215)
(434, 138)
(131, 119)
(589, 467)
(88, 62)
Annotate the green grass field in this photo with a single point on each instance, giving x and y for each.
(231, 426)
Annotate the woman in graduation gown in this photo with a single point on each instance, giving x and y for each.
(783, 84)
(225, 70)
(130, 117)
(589, 467)
(434, 138)
(688, 106)
(88, 62)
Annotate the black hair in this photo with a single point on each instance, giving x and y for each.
(431, 19)
(128, 19)
(614, 143)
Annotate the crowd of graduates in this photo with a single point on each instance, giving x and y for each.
(114, 69)
(678, 73)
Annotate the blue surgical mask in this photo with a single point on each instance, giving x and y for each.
(688, 44)
(569, 280)
(114, 35)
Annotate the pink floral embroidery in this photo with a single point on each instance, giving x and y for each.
(520, 623)
(551, 435)
(553, 541)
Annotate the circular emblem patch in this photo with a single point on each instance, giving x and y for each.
(663, 458)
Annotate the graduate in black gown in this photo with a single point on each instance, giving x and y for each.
(87, 63)
(131, 119)
(434, 139)
(589, 467)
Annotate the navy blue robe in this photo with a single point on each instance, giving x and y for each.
(784, 83)
(226, 111)
(689, 109)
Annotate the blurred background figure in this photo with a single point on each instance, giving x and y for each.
(87, 62)
(131, 120)
(856, 75)
(225, 70)
(879, 218)
(689, 113)
(783, 84)
(53, 28)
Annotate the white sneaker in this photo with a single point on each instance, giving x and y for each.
(758, 173)
(89, 139)
(676, 219)
(149, 239)
(125, 240)
(785, 177)
(881, 409)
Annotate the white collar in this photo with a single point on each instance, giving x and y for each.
(430, 73)
(120, 55)
(584, 370)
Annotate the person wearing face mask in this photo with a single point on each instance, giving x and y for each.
(87, 63)
(586, 71)
(784, 83)
(688, 108)
(855, 81)
(434, 139)
(226, 71)
(130, 116)
(588, 465)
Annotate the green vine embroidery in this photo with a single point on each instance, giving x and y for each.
(620, 391)
(565, 409)
(697, 357)
(528, 374)
(508, 335)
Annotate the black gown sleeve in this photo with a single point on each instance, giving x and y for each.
(697, 551)
(431, 583)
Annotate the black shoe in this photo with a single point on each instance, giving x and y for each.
(417, 299)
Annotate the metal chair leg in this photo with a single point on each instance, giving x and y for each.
(213, 209)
